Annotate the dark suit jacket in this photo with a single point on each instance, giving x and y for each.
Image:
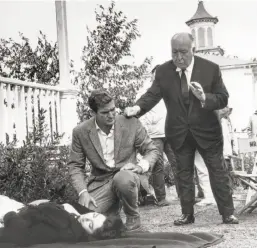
(129, 137)
(203, 122)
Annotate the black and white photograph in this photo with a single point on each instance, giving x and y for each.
(128, 124)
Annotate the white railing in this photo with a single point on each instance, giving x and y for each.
(20, 103)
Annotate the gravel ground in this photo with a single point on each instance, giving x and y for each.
(244, 235)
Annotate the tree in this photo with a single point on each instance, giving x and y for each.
(19, 60)
(103, 57)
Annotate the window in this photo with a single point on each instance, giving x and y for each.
(201, 38)
(210, 37)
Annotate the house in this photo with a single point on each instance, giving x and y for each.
(239, 76)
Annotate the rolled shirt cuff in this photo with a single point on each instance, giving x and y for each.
(144, 164)
(82, 191)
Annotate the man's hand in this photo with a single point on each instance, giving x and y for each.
(132, 167)
(132, 111)
(85, 199)
(197, 91)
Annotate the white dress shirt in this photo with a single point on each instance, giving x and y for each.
(253, 126)
(227, 146)
(188, 71)
(107, 144)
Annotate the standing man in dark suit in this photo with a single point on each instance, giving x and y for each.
(192, 89)
(110, 143)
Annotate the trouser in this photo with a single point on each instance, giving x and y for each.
(158, 172)
(219, 178)
(173, 163)
(203, 176)
(122, 188)
(158, 169)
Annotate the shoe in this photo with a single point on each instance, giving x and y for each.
(150, 200)
(200, 194)
(231, 219)
(206, 202)
(147, 200)
(132, 223)
(184, 220)
(163, 203)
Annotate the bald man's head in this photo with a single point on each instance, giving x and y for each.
(182, 49)
(183, 37)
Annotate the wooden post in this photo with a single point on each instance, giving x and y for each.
(62, 36)
(68, 96)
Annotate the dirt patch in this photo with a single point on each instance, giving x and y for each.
(244, 235)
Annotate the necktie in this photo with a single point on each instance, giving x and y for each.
(184, 87)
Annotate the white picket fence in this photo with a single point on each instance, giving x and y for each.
(20, 103)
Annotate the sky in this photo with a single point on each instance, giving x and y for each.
(158, 21)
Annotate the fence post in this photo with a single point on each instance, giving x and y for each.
(68, 96)
(69, 117)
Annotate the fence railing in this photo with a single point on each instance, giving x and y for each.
(20, 104)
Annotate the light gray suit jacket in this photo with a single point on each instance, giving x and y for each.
(129, 138)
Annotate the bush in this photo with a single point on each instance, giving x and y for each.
(248, 167)
(108, 61)
(248, 163)
(37, 169)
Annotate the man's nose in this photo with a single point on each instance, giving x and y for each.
(180, 56)
(111, 113)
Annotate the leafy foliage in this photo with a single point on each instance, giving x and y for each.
(104, 55)
(36, 170)
(19, 60)
(248, 167)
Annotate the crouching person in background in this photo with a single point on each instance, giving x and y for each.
(228, 151)
(154, 122)
(110, 142)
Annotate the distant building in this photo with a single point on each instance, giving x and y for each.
(240, 76)
(202, 26)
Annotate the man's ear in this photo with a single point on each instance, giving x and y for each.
(193, 49)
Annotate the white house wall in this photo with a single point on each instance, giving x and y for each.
(239, 82)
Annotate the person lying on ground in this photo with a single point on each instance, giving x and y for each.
(50, 222)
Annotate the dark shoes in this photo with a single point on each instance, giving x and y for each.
(133, 223)
(200, 194)
(163, 203)
(231, 219)
(184, 220)
(189, 218)
(147, 200)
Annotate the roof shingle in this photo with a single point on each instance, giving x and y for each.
(223, 61)
(201, 13)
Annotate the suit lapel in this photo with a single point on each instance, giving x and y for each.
(118, 131)
(95, 140)
(196, 71)
(194, 78)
